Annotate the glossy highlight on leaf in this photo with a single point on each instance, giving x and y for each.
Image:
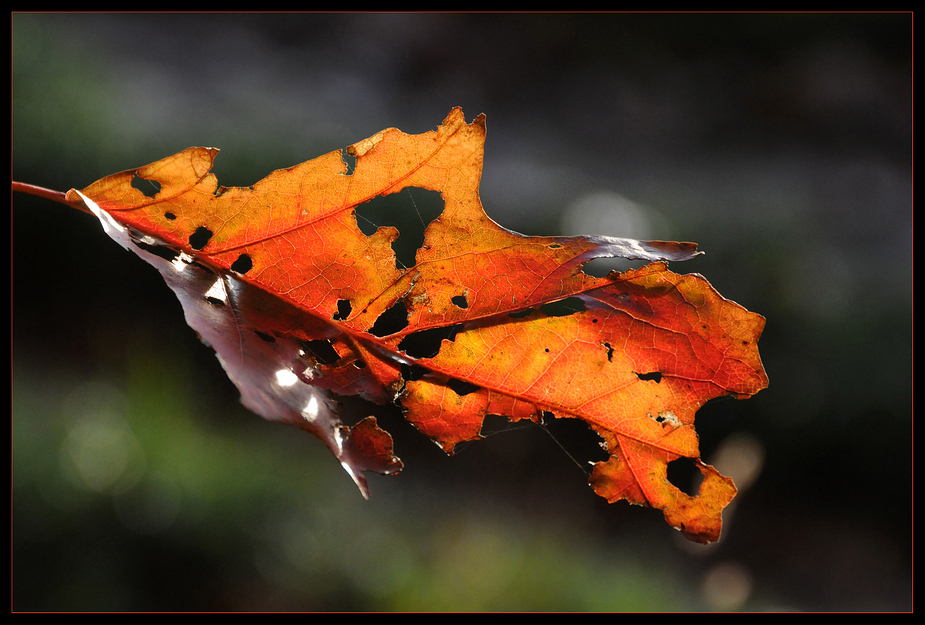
(302, 306)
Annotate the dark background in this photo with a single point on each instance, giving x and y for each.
(782, 144)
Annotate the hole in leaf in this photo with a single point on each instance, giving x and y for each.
(461, 387)
(412, 373)
(169, 215)
(520, 314)
(343, 310)
(666, 418)
(494, 424)
(576, 438)
(563, 307)
(242, 264)
(348, 155)
(322, 350)
(391, 321)
(149, 188)
(426, 343)
(685, 475)
(200, 238)
(410, 211)
(460, 301)
(609, 348)
(655, 376)
(265, 337)
(214, 301)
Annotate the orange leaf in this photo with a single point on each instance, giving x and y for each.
(299, 303)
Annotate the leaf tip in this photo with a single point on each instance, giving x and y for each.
(367, 447)
(633, 249)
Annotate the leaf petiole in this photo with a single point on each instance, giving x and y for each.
(49, 194)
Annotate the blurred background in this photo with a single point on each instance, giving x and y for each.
(782, 144)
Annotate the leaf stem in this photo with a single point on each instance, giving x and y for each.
(48, 194)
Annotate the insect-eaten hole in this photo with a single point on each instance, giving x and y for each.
(520, 314)
(269, 338)
(576, 438)
(322, 351)
(413, 373)
(200, 238)
(461, 387)
(393, 320)
(170, 216)
(655, 376)
(685, 475)
(563, 307)
(410, 211)
(242, 264)
(149, 188)
(427, 343)
(460, 301)
(343, 310)
(495, 424)
(666, 418)
(349, 156)
(609, 349)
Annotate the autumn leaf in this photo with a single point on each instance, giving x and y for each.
(302, 307)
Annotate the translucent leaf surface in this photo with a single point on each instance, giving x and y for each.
(301, 305)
